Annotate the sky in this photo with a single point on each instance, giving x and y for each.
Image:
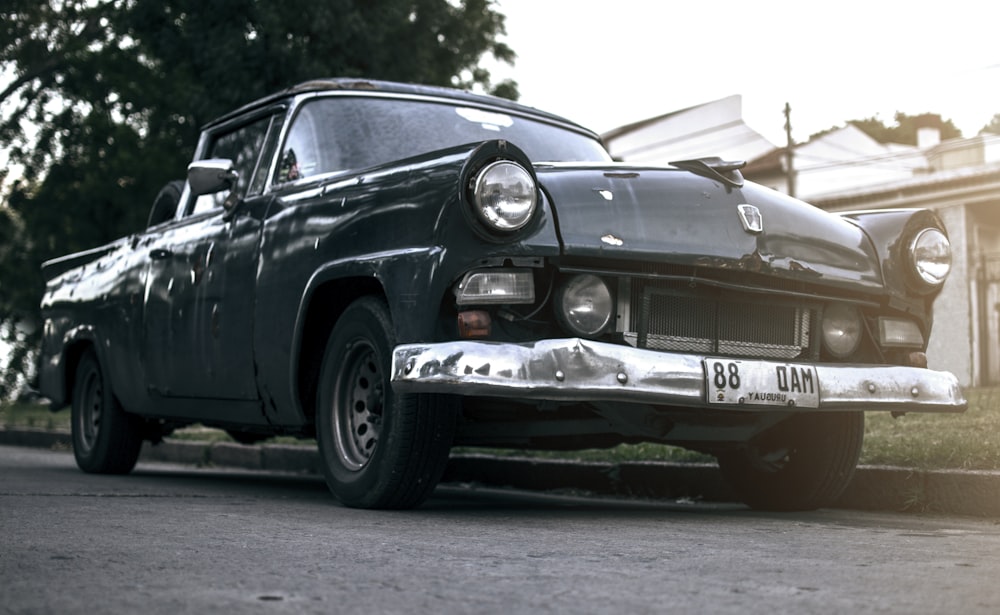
(609, 63)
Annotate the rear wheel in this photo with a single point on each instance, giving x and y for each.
(379, 449)
(803, 463)
(106, 439)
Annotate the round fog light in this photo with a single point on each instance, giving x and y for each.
(585, 305)
(841, 329)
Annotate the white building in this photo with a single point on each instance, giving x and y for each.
(840, 158)
(966, 336)
(712, 129)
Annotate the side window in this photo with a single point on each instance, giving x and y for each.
(309, 149)
(259, 181)
(243, 146)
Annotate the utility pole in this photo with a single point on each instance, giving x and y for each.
(789, 151)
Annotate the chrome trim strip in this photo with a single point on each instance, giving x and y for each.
(583, 370)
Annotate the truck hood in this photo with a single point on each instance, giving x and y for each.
(673, 216)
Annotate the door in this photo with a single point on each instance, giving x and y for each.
(201, 282)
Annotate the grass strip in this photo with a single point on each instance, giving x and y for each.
(928, 441)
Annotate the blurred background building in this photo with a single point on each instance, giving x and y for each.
(845, 169)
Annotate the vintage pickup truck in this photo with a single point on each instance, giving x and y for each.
(396, 269)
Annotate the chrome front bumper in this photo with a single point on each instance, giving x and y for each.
(583, 370)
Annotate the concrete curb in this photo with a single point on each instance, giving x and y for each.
(969, 493)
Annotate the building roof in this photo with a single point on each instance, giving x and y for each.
(933, 189)
(715, 128)
(770, 162)
(641, 124)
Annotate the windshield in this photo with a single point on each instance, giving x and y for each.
(342, 133)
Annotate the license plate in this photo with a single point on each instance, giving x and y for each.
(761, 383)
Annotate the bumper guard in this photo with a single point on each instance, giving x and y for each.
(583, 370)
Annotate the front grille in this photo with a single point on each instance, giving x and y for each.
(713, 321)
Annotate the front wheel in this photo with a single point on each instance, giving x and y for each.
(106, 439)
(379, 449)
(803, 463)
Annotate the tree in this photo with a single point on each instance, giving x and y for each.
(993, 127)
(101, 100)
(906, 127)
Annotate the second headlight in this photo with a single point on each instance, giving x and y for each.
(585, 305)
(842, 329)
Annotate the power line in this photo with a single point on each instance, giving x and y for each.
(900, 156)
(858, 159)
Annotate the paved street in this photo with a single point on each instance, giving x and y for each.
(174, 539)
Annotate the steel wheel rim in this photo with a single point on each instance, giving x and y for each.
(89, 421)
(357, 406)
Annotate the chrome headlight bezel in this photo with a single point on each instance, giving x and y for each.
(930, 258)
(504, 196)
(585, 305)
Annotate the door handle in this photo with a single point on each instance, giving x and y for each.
(160, 254)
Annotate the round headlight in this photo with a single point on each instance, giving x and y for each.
(505, 196)
(841, 329)
(931, 256)
(586, 305)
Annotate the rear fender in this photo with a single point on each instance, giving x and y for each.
(56, 376)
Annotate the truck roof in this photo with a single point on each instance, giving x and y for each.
(334, 84)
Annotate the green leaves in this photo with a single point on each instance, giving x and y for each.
(101, 101)
(993, 127)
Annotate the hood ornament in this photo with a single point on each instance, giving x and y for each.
(750, 216)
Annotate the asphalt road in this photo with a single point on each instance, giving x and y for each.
(174, 539)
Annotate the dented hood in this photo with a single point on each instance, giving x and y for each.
(675, 216)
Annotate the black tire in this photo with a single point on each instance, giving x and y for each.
(803, 463)
(379, 449)
(106, 439)
(165, 204)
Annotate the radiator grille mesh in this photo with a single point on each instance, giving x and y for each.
(667, 320)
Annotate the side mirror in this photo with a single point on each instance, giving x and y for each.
(211, 176)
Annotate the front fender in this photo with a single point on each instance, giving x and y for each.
(891, 233)
(402, 230)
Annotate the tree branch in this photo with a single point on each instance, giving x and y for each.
(29, 76)
(91, 28)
